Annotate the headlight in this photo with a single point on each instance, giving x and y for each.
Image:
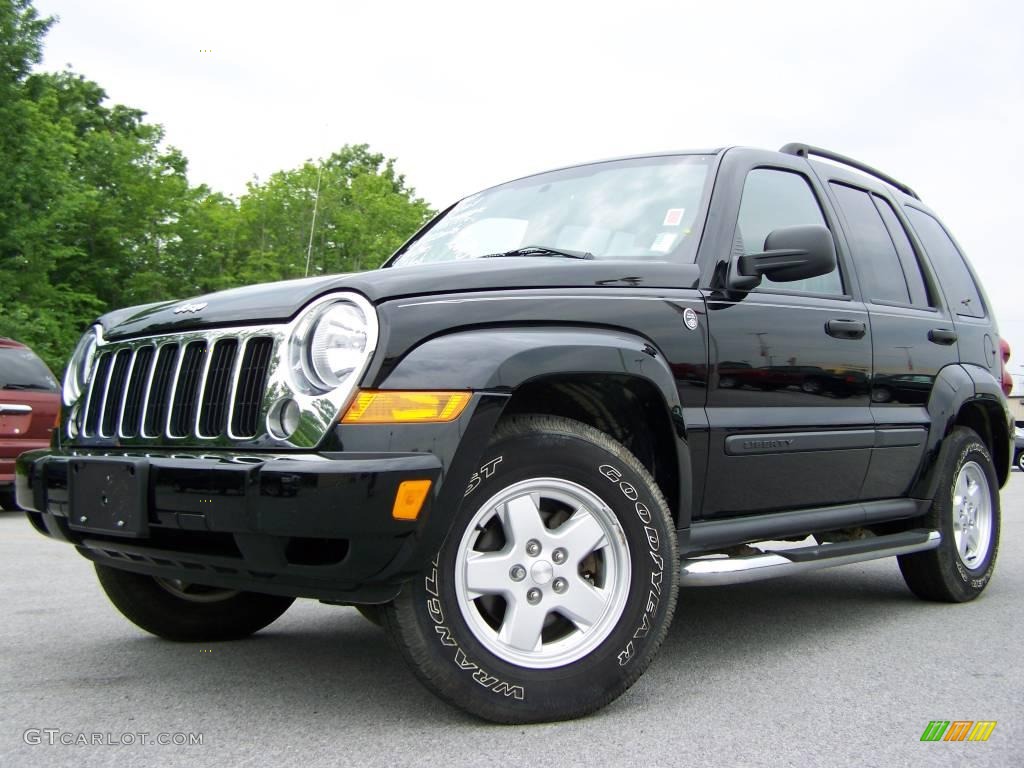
(79, 371)
(330, 349)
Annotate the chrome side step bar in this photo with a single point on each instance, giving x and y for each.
(713, 570)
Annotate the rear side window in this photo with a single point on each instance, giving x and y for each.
(955, 278)
(878, 264)
(773, 199)
(908, 257)
(21, 369)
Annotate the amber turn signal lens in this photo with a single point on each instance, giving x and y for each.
(390, 407)
(409, 499)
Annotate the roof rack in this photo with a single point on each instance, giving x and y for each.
(806, 150)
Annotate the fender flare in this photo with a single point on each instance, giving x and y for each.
(955, 386)
(500, 360)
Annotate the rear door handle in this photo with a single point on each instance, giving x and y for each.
(942, 336)
(846, 329)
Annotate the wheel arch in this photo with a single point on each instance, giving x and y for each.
(967, 396)
(609, 379)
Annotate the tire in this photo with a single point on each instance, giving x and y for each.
(372, 613)
(7, 500)
(945, 574)
(1019, 462)
(187, 612)
(615, 557)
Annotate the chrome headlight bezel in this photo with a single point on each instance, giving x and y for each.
(80, 367)
(309, 372)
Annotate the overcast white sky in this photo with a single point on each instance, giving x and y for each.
(468, 94)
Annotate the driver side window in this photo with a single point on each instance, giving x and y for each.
(772, 199)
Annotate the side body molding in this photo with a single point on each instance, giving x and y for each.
(501, 359)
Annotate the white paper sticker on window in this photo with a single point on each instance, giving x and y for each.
(673, 217)
(663, 242)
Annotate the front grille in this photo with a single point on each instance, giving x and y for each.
(193, 388)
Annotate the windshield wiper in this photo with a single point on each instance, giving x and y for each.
(541, 250)
(25, 386)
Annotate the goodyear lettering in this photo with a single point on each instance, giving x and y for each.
(643, 513)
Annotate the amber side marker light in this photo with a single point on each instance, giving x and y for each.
(409, 499)
(393, 407)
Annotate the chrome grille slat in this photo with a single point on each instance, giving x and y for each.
(211, 420)
(249, 395)
(181, 418)
(236, 377)
(135, 396)
(114, 396)
(97, 394)
(157, 397)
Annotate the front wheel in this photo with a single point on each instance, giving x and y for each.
(556, 585)
(1020, 461)
(187, 612)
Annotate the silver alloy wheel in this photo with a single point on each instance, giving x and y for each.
(542, 573)
(194, 593)
(1020, 461)
(972, 515)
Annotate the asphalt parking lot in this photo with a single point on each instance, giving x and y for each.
(841, 667)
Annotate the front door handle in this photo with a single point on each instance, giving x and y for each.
(846, 329)
(942, 336)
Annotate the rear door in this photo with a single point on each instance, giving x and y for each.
(788, 405)
(976, 341)
(913, 335)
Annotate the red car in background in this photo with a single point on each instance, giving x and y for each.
(29, 403)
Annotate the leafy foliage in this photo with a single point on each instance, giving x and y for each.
(96, 212)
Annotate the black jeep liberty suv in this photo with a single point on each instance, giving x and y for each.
(564, 398)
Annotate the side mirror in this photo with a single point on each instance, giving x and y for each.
(790, 253)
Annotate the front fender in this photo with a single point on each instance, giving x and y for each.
(504, 359)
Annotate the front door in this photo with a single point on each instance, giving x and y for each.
(788, 401)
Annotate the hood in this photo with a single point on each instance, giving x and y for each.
(279, 302)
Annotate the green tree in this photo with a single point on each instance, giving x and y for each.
(96, 212)
(365, 211)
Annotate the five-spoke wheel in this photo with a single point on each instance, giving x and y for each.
(543, 572)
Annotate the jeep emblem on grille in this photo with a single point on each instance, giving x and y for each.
(189, 308)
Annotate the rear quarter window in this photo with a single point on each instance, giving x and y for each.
(954, 277)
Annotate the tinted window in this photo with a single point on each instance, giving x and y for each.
(955, 278)
(878, 265)
(21, 369)
(908, 257)
(773, 199)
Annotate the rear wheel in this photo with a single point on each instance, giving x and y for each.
(1020, 461)
(186, 612)
(966, 512)
(556, 585)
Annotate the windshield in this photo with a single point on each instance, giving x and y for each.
(643, 208)
(21, 369)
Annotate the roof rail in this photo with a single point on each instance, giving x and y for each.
(807, 150)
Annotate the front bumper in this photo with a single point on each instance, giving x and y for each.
(312, 525)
